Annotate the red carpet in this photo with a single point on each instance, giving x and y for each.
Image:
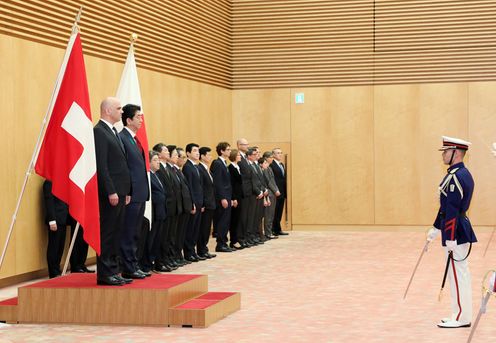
(9, 302)
(205, 300)
(81, 280)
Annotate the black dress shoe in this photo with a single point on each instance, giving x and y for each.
(282, 233)
(123, 279)
(210, 255)
(223, 249)
(109, 281)
(79, 270)
(86, 270)
(200, 257)
(162, 269)
(133, 275)
(191, 259)
(146, 274)
(236, 246)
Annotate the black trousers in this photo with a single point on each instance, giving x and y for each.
(55, 250)
(192, 230)
(130, 234)
(234, 224)
(111, 223)
(204, 231)
(244, 207)
(276, 226)
(151, 251)
(182, 220)
(222, 220)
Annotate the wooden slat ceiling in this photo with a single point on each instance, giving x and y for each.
(190, 39)
(298, 43)
(277, 43)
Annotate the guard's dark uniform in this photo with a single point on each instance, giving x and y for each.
(455, 193)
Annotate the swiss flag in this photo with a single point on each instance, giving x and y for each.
(67, 154)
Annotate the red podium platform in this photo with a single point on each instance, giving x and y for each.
(162, 299)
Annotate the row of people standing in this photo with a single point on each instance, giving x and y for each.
(187, 196)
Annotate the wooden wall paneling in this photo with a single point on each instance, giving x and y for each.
(351, 42)
(33, 83)
(8, 175)
(261, 115)
(187, 39)
(332, 168)
(482, 164)
(409, 122)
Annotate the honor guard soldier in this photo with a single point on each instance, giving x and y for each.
(452, 222)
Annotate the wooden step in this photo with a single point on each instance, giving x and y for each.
(77, 299)
(8, 310)
(205, 309)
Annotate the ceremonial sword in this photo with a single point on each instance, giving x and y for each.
(485, 299)
(424, 249)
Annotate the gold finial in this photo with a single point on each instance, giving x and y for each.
(75, 26)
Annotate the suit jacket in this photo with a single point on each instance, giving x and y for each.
(236, 183)
(187, 202)
(257, 180)
(270, 181)
(279, 178)
(176, 188)
(222, 180)
(246, 176)
(159, 211)
(192, 175)
(137, 168)
(55, 209)
(208, 188)
(111, 166)
(171, 199)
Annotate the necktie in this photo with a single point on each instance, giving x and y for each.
(118, 138)
(282, 168)
(160, 183)
(140, 147)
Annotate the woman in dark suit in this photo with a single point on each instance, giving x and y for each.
(159, 213)
(237, 194)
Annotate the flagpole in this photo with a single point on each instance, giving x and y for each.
(69, 253)
(38, 142)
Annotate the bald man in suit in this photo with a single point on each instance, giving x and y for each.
(114, 191)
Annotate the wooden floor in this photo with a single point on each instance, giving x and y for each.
(313, 287)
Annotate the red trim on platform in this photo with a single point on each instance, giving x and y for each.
(9, 302)
(81, 280)
(216, 295)
(457, 290)
(197, 304)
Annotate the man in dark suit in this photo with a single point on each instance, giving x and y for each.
(163, 262)
(57, 218)
(114, 189)
(208, 203)
(223, 195)
(280, 178)
(173, 221)
(186, 201)
(132, 118)
(192, 175)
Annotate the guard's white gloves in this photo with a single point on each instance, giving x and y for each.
(432, 234)
(494, 149)
(451, 245)
(492, 282)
